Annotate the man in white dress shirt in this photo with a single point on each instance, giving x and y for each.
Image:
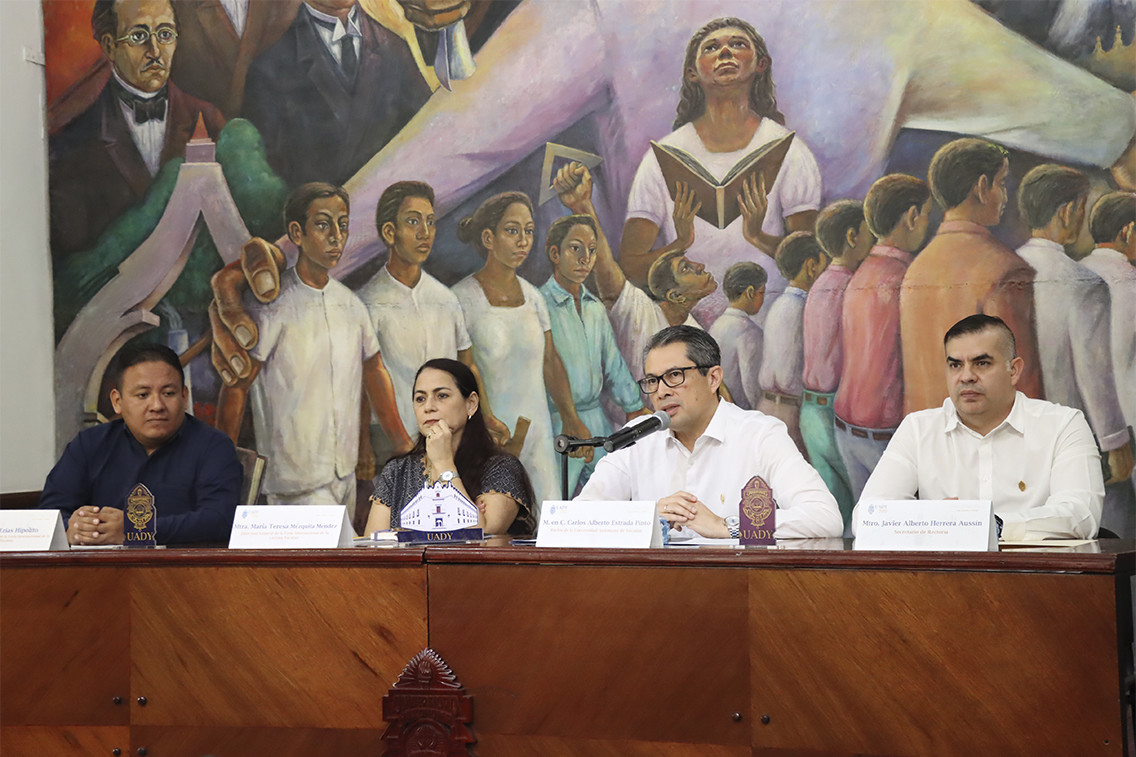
(1036, 461)
(697, 469)
(1072, 312)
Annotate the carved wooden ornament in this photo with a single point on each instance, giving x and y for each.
(427, 711)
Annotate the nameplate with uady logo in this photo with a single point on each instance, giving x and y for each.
(757, 514)
(291, 527)
(32, 531)
(612, 525)
(926, 525)
(438, 514)
(140, 519)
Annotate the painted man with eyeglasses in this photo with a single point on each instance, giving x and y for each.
(104, 160)
(697, 469)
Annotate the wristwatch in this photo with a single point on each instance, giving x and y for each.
(733, 524)
(447, 476)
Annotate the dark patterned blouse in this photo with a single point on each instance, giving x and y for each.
(404, 477)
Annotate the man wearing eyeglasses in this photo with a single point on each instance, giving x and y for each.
(104, 161)
(697, 469)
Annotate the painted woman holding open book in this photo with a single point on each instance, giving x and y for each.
(726, 112)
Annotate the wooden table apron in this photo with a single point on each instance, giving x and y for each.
(708, 652)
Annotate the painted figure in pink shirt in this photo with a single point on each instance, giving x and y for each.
(843, 232)
(869, 402)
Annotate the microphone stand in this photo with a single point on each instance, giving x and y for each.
(565, 444)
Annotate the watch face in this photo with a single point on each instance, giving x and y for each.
(447, 476)
(733, 521)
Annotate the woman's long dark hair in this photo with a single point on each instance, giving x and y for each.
(692, 100)
(476, 446)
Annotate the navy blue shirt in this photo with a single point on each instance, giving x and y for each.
(195, 478)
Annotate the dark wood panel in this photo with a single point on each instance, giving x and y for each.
(289, 647)
(69, 741)
(934, 663)
(1115, 557)
(191, 556)
(652, 654)
(546, 746)
(64, 640)
(255, 742)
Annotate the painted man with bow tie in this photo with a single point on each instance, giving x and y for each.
(104, 160)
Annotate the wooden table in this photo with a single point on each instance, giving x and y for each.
(692, 651)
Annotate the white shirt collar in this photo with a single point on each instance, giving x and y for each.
(134, 90)
(1111, 254)
(1015, 420)
(340, 31)
(1048, 245)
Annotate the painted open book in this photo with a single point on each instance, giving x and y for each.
(720, 198)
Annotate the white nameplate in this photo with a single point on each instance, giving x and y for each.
(933, 525)
(31, 531)
(291, 527)
(599, 524)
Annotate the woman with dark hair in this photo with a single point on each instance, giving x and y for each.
(727, 109)
(454, 446)
(510, 329)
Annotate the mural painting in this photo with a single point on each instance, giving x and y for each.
(532, 188)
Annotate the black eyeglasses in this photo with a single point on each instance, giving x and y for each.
(672, 378)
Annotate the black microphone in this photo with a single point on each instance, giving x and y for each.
(629, 434)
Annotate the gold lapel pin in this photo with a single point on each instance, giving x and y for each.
(1022, 485)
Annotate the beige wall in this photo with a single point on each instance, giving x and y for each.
(27, 411)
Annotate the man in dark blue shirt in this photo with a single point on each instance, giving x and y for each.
(190, 468)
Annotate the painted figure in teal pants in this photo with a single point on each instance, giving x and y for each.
(844, 234)
(584, 338)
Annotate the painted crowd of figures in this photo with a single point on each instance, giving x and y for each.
(830, 314)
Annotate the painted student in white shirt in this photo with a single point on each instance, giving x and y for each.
(740, 338)
(697, 469)
(317, 349)
(1113, 228)
(416, 317)
(1036, 461)
(1072, 312)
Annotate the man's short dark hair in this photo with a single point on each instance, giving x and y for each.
(560, 228)
(890, 197)
(1111, 213)
(104, 18)
(393, 197)
(979, 322)
(740, 277)
(834, 223)
(795, 250)
(1046, 188)
(701, 349)
(302, 197)
(133, 354)
(660, 276)
(958, 165)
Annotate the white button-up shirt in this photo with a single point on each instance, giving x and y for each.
(305, 401)
(737, 445)
(1039, 467)
(149, 137)
(413, 326)
(741, 342)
